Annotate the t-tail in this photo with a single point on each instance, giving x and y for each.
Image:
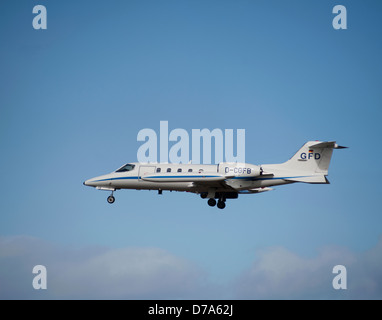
(311, 163)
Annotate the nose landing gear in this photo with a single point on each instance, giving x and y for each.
(111, 199)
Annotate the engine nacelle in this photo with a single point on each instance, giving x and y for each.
(239, 169)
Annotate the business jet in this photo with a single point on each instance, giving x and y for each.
(222, 181)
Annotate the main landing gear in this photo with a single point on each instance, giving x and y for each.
(111, 199)
(220, 204)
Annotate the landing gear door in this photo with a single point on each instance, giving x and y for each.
(145, 170)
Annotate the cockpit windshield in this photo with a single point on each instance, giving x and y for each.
(126, 167)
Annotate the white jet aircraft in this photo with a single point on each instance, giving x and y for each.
(223, 181)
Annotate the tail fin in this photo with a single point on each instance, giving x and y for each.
(313, 158)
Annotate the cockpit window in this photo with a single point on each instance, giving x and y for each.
(126, 167)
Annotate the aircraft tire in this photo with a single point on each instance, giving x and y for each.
(211, 202)
(221, 205)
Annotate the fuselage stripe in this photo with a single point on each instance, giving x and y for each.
(182, 177)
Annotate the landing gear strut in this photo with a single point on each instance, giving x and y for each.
(111, 199)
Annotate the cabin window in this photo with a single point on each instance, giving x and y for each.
(201, 170)
(189, 170)
(179, 170)
(158, 169)
(168, 169)
(126, 167)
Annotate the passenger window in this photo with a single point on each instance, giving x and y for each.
(179, 170)
(189, 170)
(200, 170)
(168, 169)
(158, 169)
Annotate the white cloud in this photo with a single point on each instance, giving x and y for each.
(153, 273)
(127, 273)
(278, 273)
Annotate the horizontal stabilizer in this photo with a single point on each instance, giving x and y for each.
(322, 145)
(309, 179)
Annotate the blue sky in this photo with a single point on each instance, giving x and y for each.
(74, 97)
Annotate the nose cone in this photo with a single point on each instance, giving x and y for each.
(101, 181)
(90, 183)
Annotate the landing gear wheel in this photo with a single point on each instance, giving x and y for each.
(211, 202)
(110, 199)
(221, 204)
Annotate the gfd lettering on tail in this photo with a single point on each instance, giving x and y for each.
(310, 155)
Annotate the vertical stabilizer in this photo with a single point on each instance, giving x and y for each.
(313, 157)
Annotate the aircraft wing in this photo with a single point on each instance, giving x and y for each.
(256, 190)
(185, 177)
(198, 181)
(220, 186)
